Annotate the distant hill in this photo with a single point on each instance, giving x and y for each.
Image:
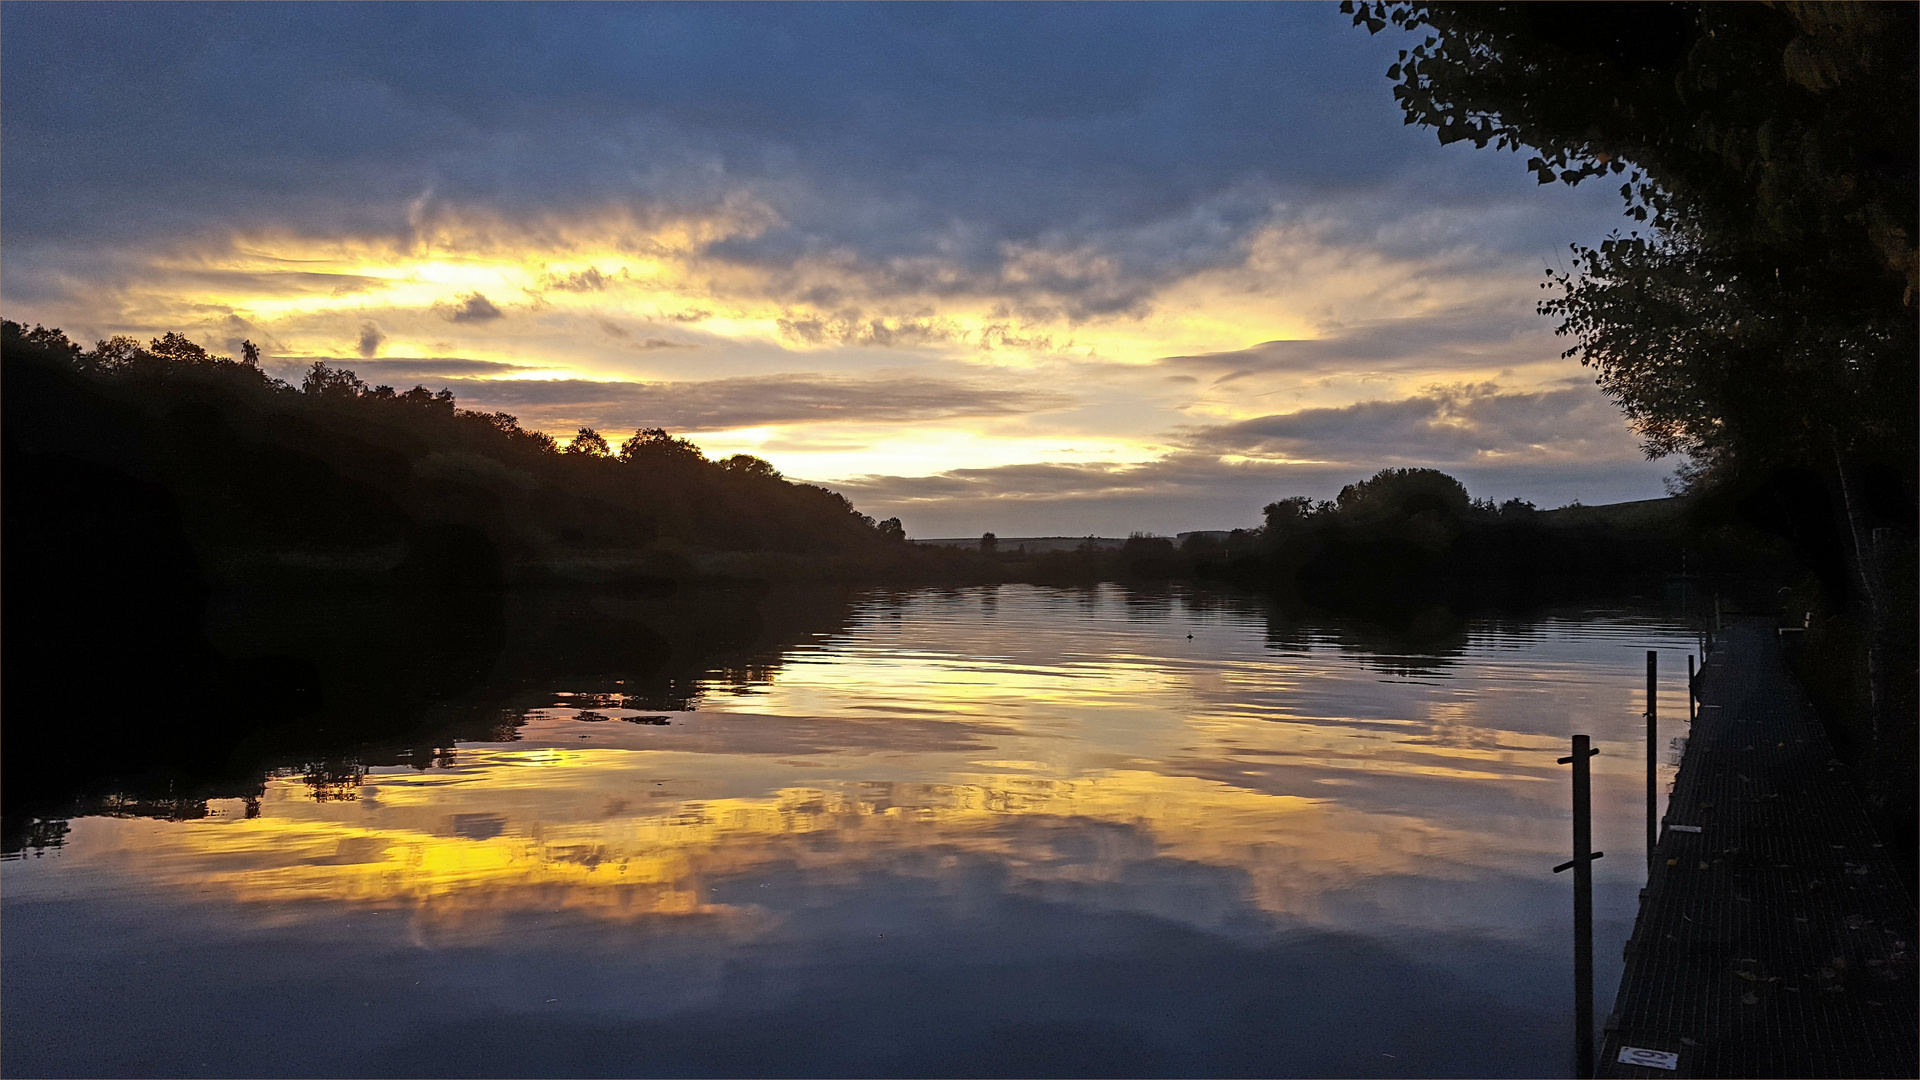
(1032, 545)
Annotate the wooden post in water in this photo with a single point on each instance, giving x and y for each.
(1653, 756)
(1582, 866)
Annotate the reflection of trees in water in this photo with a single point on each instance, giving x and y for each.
(1419, 641)
(640, 654)
(170, 808)
(408, 677)
(742, 679)
(431, 755)
(1148, 602)
(36, 836)
(330, 781)
(1223, 601)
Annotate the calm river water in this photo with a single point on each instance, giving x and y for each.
(999, 831)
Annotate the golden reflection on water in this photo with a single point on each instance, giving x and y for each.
(1067, 747)
(426, 845)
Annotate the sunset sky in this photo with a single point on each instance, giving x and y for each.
(1031, 269)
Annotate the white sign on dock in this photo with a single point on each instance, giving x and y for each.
(1649, 1059)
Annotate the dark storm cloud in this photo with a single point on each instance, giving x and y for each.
(1465, 333)
(934, 146)
(1447, 425)
(710, 405)
(580, 281)
(627, 340)
(472, 308)
(1170, 475)
(852, 328)
(748, 401)
(395, 371)
(370, 340)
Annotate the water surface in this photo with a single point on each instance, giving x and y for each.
(994, 831)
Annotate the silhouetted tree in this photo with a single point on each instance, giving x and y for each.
(589, 443)
(1148, 556)
(1405, 493)
(892, 530)
(115, 352)
(1283, 516)
(989, 543)
(1517, 508)
(249, 354)
(423, 398)
(655, 445)
(748, 465)
(331, 383)
(40, 337)
(1770, 313)
(177, 349)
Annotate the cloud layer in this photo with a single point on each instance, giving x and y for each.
(1446, 425)
(943, 256)
(1550, 447)
(710, 405)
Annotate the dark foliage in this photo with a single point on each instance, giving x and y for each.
(1410, 538)
(257, 464)
(1773, 153)
(1765, 320)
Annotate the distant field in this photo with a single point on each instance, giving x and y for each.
(1640, 514)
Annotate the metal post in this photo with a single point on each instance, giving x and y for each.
(1653, 755)
(1582, 866)
(1692, 697)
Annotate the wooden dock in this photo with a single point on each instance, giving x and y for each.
(1778, 939)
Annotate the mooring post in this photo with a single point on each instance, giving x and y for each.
(1653, 755)
(1582, 866)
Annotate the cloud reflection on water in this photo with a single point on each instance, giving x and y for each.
(1120, 766)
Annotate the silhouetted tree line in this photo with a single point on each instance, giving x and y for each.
(1762, 315)
(1409, 537)
(336, 461)
(357, 539)
(1399, 541)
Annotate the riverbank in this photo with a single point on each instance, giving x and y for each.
(1776, 936)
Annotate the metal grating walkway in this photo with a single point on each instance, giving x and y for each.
(1778, 941)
